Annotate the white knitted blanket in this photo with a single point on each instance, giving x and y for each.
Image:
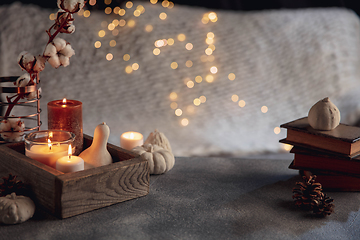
(285, 60)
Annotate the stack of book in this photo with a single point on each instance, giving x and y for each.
(333, 156)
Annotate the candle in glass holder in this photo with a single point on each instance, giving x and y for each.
(129, 140)
(67, 115)
(48, 146)
(70, 163)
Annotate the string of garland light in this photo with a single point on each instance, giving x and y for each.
(161, 45)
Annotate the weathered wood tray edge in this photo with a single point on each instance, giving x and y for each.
(70, 194)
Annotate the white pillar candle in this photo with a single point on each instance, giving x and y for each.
(70, 163)
(129, 140)
(47, 153)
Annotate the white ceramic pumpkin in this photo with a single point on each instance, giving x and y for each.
(324, 115)
(160, 160)
(158, 138)
(16, 209)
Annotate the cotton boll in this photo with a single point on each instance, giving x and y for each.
(14, 128)
(23, 80)
(50, 50)
(65, 61)
(39, 64)
(16, 124)
(59, 44)
(54, 61)
(70, 29)
(68, 51)
(72, 6)
(26, 61)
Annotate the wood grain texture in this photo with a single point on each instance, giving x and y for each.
(70, 194)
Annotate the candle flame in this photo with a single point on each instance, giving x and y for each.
(50, 134)
(131, 135)
(69, 151)
(64, 100)
(49, 143)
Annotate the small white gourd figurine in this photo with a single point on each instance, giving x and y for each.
(158, 138)
(97, 154)
(16, 209)
(324, 115)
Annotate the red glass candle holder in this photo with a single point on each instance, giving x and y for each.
(67, 116)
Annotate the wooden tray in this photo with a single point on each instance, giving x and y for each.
(69, 194)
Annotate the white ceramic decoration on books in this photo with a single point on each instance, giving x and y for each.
(97, 154)
(160, 160)
(16, 209)
(324, 115)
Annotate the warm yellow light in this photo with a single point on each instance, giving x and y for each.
(92, 2)
(242, 103)
(52, 16)
(116, 10)
(115, 22)
(197, 102)
(178, 112)
(170, 41)
(80, 13)
(162, 16)
(109, 56)
(264, 109)
(129, 4)
(287, 147)
(234, 98)
(212, 47)
(107, 2)
(122, 23)
(156, 51)
(112, 43)
(97, 44)
(137, 13)
(86, 13)
(165, 3)
(173, 105)
(159, 43)
(108, 10)
(171, 5)
(209, 78)
(209, 41)
(131, 23)
(153, 1)
(189, 63)
(111, 26)
(122, 12)
(101, 33)
(115, 32)
(212, 15)
(174, 65)
(128, 69)
(126, 57)
(231, 76)
(213, 70)
(64, 102)
(189, 46)
(181, 37)
(210, 58)
(203, 58)
(140, 8)
(148, 28)
(190, 84)
(202, 99)
(210, 35)
(205, 19)
(277, 130)
(198, 79)
(190, 109)
(135, 66)
(184, 122)
(173, 96)
(208, 51)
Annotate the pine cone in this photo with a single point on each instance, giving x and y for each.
(10, 184)
(324, 206)
(305, 193)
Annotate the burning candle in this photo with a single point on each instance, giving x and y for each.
(67, 115)
(129, 140)
(70, 163)
(47, 146)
